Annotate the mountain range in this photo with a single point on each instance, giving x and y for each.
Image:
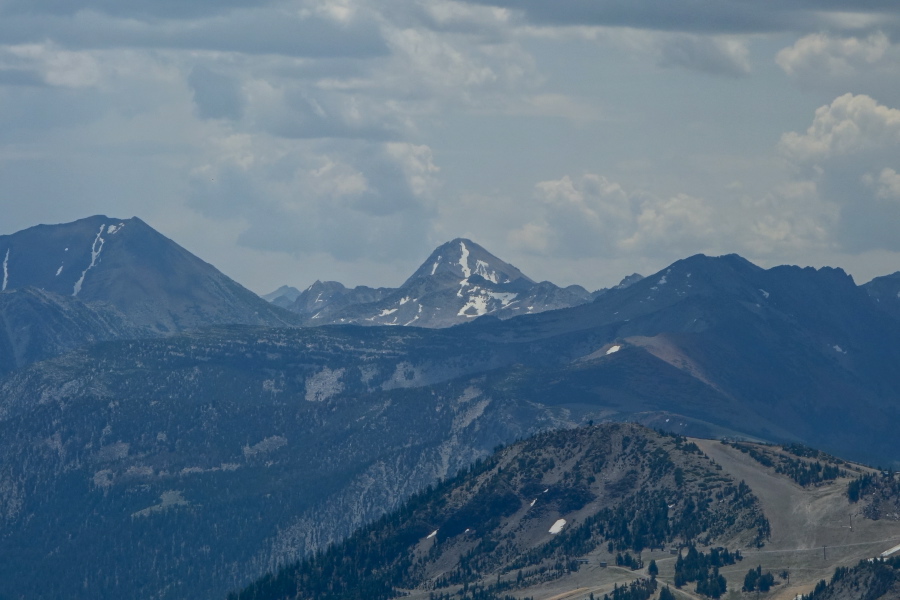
(459, 282)
(168, 434)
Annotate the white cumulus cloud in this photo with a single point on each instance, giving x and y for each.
(848, 152)
(591, 215)
(849, 125)
(821, 54)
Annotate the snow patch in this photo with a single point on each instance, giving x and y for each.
(432, 534)
(839, 349)
(613, 350)
(478, 303)
(764, 293)
(464, 260)
(532, 502)
(558, 526)
(435, 265)
(481, 268)
(404, 300)
(388, 311)
(5, 271)
(113, 229)
(505, 298)
(419, 312)
(95, 253)
(890, 551)
(662, 280)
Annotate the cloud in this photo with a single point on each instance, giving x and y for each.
(867, 64)
(14, 76)
(216, 95)
(461, 17)
(788, 219)
(348, 200)
(574, 218)
(849, 142)
(851, 124)
(594, 216)
(287, 108)
(267, 30)
(820, 54)
(55, 66)
(679, 222)
(155, 8)
(300, 121)
(700, 16)
(714, 55)
(452, 67)
(417, 163)
(692, 15)
(886, 184)
(582, 216)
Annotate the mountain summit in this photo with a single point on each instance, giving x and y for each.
(457, 283)
(460, 259)
(126, 264)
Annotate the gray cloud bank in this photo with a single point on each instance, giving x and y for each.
(363, 133)
(701, 16)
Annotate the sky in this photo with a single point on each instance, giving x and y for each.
(287, 141)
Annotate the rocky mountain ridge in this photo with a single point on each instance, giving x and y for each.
(460, 281)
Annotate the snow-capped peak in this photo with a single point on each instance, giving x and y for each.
(460, 259)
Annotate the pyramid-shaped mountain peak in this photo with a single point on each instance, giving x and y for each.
(459, 282)
(127, 264)
(460, 259)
